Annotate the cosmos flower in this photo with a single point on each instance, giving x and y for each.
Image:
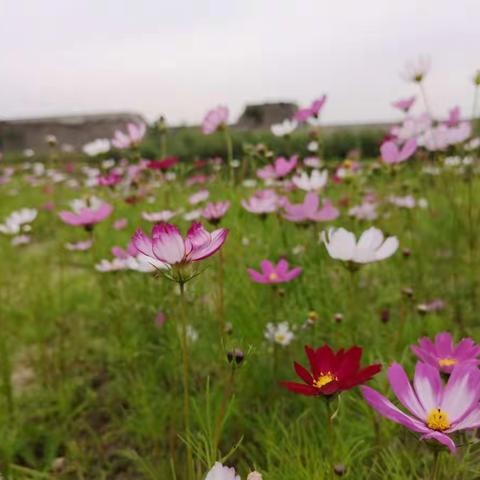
(417, 70)
(331, 372)
(263, 202)
(364, 211)
(279, 333)
(98, 146)
(86, 215)
(310, 210)
(219, 472)
(404, 104)
(313, 110)
(198, 197)
(285, 128)
(120, 224)
(80, 246)
(436, 410)
(392, 155)
(371, 246)
(20, 240)
(167, 245)
(443, 354)
(164, 164)
(453, 117)
(155, 217)
(313, 182)
(215, 119)
(279, 169)
(109, 180)
(273, 274)
(18, 220)
(131, 138)
(214, 212)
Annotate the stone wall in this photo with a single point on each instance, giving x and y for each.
(71, 131)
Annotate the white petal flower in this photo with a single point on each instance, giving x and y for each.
(285, 128)
(219, 472)
(371, 246)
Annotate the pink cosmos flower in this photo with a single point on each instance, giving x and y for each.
(119, 252)
(109, 180)
(167, 245)
(437, 410)
(280, 168)
(87, 217)
(263, 202)
(309, 210)
(392, 155)
(215, 119)
(155, 217)
(131, 138)
(453, 117)
(214, 212)
(198, 197)
(120, 224)
(443, 354)
(198, 179)
(272, 274)
(313, 110)
(79, 246)
(404, 104)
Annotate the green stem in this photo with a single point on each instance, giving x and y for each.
(221, 299)
(436, 464)
(229, 145)
(186, 399)
(331, 436)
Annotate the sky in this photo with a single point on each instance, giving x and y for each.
(180, 58)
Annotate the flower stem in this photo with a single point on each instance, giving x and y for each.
(436, 464)
(186, 399)
(331, 436)
(229, 145)
(221, 299)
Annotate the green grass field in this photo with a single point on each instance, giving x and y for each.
(92, 385)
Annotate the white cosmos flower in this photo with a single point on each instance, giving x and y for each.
(313, 183)
(371, 246)
(219, 472)
(13, 223)
(312, 146)
(100, 145)
(285, 128)
(280, 333)
(111, 266)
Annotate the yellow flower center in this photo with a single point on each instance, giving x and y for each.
(313, 316)
(279, 337)
(438, 420)
(273, 276)
(447, 362)
(324, 379)
(347, 164)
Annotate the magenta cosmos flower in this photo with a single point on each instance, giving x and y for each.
(309, 210)
(131, 138)
(167, 245)
(313, 110)
(405, 104)
(87, 216)
(272, 274)
(443, 354)
(214, 212)
(437, 410)
(215, 119)
(280, 168)
(391, 154)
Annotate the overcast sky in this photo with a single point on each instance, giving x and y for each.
(182, 57)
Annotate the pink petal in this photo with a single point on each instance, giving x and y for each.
(442, 438)
(143, 243)
(403, 390)
(428, 386)
(168, 245)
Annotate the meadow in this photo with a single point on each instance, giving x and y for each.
(114, 366)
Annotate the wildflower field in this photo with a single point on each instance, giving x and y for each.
(268, 313)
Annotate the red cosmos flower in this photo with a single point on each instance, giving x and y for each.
(164, 164)
(331, 372)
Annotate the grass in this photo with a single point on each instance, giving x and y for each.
(96, 385)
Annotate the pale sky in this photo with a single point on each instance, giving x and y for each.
(182, 57)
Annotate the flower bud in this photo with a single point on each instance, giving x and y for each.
(339, 469)
(385, 315)
(338, 317)
(254, 476)
(408, 292)
(406, 252)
